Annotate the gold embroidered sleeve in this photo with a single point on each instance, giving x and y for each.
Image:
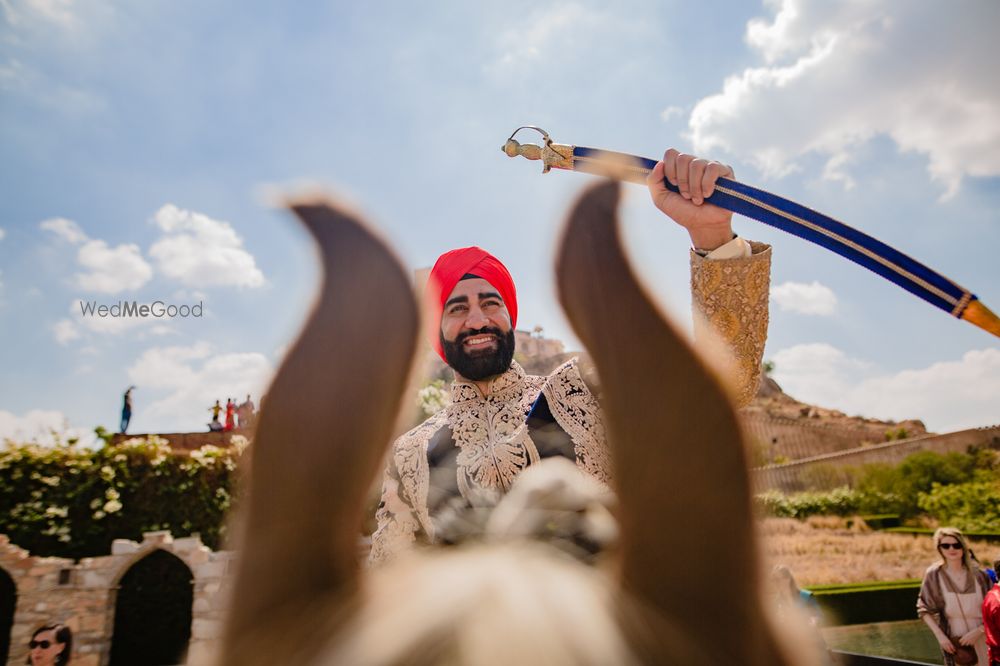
(402, 518)
(731, 296)
(397, 526)
(578, 412)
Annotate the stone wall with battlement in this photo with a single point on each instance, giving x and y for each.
(82, 595)
(801, 474)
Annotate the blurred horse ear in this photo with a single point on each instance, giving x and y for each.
(326, 423)
(678, 454)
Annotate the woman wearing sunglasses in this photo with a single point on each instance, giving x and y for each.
(951, 599)
(50, 645)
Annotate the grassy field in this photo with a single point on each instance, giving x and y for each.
(824, 550)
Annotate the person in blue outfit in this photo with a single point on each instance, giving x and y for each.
(126, 409)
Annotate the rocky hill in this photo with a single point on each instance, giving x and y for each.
(772, 402)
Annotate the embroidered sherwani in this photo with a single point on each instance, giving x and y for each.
(475, 448)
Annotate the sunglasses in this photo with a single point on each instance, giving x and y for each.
(946, 546)
(45, 645)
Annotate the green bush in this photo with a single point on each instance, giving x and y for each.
(893, 434)
(72, 502)
(971, 507)
(961, 489)
(897, 489)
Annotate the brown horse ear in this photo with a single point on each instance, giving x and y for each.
(322, 432)
(688, 546)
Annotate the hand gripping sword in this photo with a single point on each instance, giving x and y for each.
(780, 213)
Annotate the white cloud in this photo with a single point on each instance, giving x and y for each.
(67, 230)
(53, 95)
(551, 29)
(166, 367)
(112, 269)
(813, 298)
(41, 426)
(556, 37)
(55, 11)
(109, 270)
(36, 18)
(65, 331)
(202, 252)
(671, 112)
(818, 373)
(947, 395)
(838, 74)
(190, 379)
(59, 11)
(2, 233)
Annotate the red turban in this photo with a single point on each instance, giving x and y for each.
(449, 270)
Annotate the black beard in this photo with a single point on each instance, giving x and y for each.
(476, 367)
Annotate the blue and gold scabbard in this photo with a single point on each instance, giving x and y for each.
(780, 213)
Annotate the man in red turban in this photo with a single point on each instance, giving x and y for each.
(472, 311)
(500, 419)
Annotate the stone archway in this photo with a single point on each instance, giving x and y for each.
(8, 604)
(153, 609)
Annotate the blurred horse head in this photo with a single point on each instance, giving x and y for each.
(683, 504)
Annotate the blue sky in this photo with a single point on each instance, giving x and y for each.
(145, 145)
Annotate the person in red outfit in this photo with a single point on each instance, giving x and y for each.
(991, 619)
(230, 414)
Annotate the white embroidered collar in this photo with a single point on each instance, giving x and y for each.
(501, 387)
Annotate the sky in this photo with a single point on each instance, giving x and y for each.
(147, 147)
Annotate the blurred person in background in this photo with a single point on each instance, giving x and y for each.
(215, 425)
(50, 645)
(793, 604)
(126, 409)
(787, 594)
(991, 619)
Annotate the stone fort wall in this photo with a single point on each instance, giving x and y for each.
(801, 474)
(82, 595)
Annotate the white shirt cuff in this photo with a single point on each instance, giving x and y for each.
(734, 249)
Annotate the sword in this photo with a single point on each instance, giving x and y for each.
(775, 211)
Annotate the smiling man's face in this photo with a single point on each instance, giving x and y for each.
(476, 334)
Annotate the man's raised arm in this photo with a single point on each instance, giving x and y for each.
(730, 277)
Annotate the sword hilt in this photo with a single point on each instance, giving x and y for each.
(551, 154)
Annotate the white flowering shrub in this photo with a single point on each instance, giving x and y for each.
(434, 397)
(73, 502)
